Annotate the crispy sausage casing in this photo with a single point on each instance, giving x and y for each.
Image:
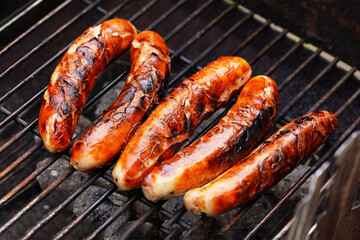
(74, 77)
(176, 117)
(104, 139)
(265, 166)
(236, 134)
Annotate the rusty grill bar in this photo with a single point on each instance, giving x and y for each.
(189, 56)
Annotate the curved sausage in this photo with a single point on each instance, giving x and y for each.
(174, 120)
(264, 167)
(236, 134)
(104, 139)
(74, 77)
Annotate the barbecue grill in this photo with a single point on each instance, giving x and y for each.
(35, 37)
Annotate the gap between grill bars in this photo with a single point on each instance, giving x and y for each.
(174, 225)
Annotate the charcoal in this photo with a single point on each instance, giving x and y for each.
(284, 185)
(104, 210)
(72, 183)
(108, 98)
(174, 204)
(66, 188)
(141, 232)
(82, 124)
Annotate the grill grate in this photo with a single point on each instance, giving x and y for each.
(197, 33)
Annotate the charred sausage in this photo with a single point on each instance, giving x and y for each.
(265, 166)
(176, 117)
(104, 139)
(236, 134)
(74, 77)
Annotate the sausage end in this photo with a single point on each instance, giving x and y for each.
(195, 204)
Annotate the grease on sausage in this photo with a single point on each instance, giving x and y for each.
(176, 117)
(264, 167)
(74, 77)
(104, 139)
(236, 134)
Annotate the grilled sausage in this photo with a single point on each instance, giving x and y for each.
(236, 134)
(176, 117)
(104, 139)
(264, 167)
(74, 77)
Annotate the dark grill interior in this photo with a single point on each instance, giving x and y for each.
(197, 32)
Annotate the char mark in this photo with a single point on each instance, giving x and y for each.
(303, 119)
(66, 109)
(127, 95)
(146, 83)
(69, 88)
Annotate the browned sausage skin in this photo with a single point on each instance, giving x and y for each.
(176, 117)
(236, 134)
(74, 77)
(104, 139)
(264, 167)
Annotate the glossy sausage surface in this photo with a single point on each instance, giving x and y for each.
(104, 139)
(264, 167)
(75, 76)
(236, 134)
(176, 117)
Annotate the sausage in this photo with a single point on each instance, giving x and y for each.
(104, 139)
(174, 120)
(74, 77)
(264, 167)
(236, 134)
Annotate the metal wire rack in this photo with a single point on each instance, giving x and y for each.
(197, 32)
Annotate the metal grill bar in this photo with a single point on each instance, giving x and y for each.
(299, 69)
(38, 171)
(171, 235)
(252, 36)
(237, 217)
(46, 40)
(47, 63)
(268, 46)
(37, 199)
(307, 88)
(61, 206)
(212, 124)
(333, 89)
(176, 217)
(184, 47)
(27, 180)
(341, 110)
(304, 178)
(209, 49)
(18, 14)
(143, 200)
(81, 217)
(20, 160)
(18, 120)
(89, 102)
(200, 33)
(17, 136)
(187, 20)
(23, 107)
(118, 212)
(143, 10)
(39, 94)
(35, 26)
(166, 14)
(284, 57)
(141, 220)
(29, 126)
